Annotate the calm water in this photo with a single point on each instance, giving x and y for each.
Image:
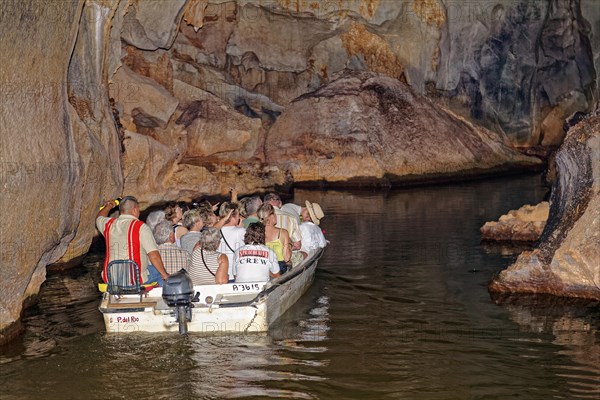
(399, 310)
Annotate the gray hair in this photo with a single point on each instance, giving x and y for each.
(252, 204)
(210, 239)
(127, 204)
(190, 217)
(162, 232)
(272, 196)
(154, 218)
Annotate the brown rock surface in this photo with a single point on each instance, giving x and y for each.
(59, 154)
(155, 65)
(523, 225)
(142, 98)
(366, 126)
(218, 132)
(475, 58)
(150, 25)
(567, 261)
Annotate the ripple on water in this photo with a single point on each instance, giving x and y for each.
(393, 313)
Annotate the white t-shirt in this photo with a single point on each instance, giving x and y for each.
(312, 237)
(235, 237)
(253, 262)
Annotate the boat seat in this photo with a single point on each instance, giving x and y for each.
(141, 304)
(124, 278)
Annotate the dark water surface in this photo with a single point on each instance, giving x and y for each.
(399, 310)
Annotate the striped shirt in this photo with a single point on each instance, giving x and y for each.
(288, 222)
(198, 272)
(174, 258)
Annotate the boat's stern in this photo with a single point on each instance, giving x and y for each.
(231, 308)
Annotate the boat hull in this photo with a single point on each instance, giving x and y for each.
(223, 309)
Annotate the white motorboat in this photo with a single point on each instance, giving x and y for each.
(211, 309)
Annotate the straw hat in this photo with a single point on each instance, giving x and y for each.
(315, 211)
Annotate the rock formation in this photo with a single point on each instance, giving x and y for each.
(474, 58)
(59, 146)
(523, 225)
(567, 260)
(363, 126)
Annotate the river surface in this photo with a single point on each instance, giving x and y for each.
(399, 310)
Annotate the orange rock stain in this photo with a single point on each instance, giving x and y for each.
(376, 52)
(430, 11)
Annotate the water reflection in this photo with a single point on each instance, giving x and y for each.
(574, 325)
(67, 308)
(399, 309)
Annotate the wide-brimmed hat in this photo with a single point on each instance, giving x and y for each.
(315, 212)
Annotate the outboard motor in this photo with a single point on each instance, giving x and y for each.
(178, 292)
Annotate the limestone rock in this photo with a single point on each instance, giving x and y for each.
(589, 17)
(290, 39)
(92, 123)
(250, 103)
(523, 225)
(489, 65)
(195, 11)
(217, 131)
(63, 109)
(190, 181)
(475, 58)
(366, 126)
(147, 164)
(155, 65)
(210, 42)
(150, 104)
(150, 25)
(567, 260)
(373, 49)
(208, 138)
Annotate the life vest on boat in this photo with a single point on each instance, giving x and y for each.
(134, 247)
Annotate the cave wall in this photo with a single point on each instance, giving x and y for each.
(518, 67)
(59, 149)
(566, 261)
(207, 96)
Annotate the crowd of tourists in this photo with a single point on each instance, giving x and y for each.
(250, 240)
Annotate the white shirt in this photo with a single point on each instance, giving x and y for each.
(312, 237)
(253, 262)
(235, 237)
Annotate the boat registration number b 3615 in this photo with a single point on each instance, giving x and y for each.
(245, 287)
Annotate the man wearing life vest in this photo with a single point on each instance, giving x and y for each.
(128, 238)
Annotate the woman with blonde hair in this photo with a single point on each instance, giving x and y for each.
(276, 239)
